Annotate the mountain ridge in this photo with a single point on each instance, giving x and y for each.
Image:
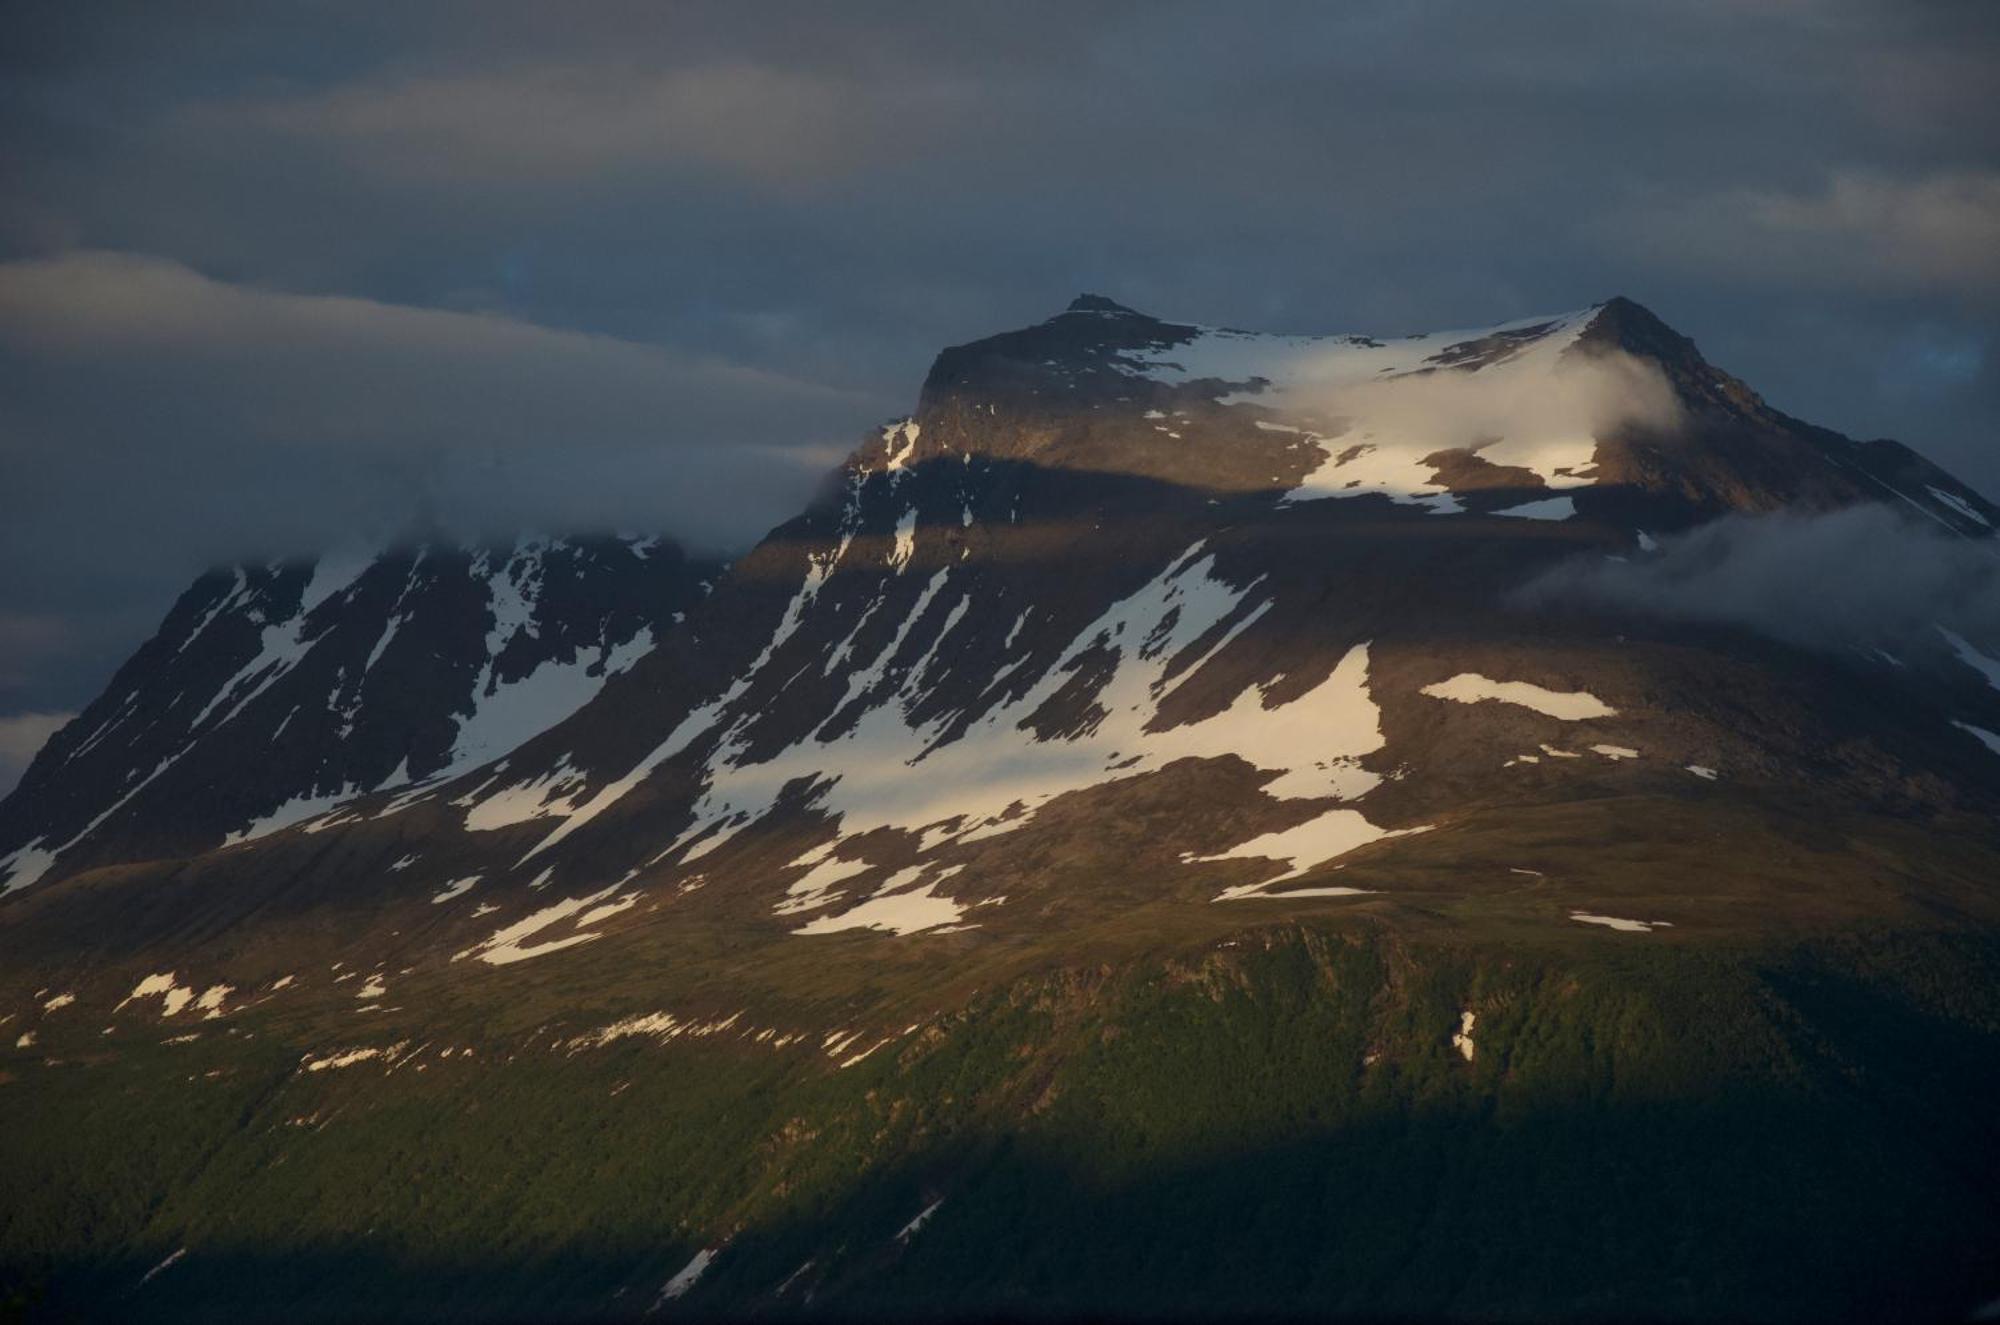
(491, 625)
(900, 491)
(1076, 446)
(1150, 685)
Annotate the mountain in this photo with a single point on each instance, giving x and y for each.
(273, 692)
(1130, 843)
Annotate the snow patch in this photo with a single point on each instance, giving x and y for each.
(1958, 504)
(901, 444)
(173, 997)
(1613, 922)
(1517, 402)
(349, 1057)
(284, 644)
(505, 714)
(503, 947)
(1991, 740)
(1567, 705)
(1560, 461)
(1549, 508)
(26, 866)
(898, 913)
(1461, 1039)
(906, 540)
(679, 1285)
(456, 888)
(1306, 846)
(166, 1264)
(1370, 467)
(1258, 890)
(661, 1026)
(1972, 657)
(297, 810)
(910, 1229)
(814, 888)
(607, 910)
(700, 719)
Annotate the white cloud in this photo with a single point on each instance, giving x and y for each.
(21, 736)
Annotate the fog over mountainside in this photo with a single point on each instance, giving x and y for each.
(1879, 579)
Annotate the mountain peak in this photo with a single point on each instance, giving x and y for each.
(1097, 303)
(1626, 324)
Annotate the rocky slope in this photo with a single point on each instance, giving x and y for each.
(1138, 650)
(274, 692)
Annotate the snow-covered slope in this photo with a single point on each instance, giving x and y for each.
(1108, 556)
(1142, 746)
(273, 693)
(1260, 583)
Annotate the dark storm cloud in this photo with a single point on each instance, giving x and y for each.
(271, 274)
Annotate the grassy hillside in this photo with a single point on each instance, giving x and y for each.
(1274, 1122)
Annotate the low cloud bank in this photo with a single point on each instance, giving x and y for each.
(155, 420)
(1861, 577)
(224, 419)
(21, 736)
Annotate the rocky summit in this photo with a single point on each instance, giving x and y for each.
(1302, 824)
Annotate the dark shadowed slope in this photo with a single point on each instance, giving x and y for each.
(273, 693)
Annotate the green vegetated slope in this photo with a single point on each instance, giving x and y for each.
(1277, 1121)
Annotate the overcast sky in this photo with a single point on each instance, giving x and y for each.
(271, 276)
